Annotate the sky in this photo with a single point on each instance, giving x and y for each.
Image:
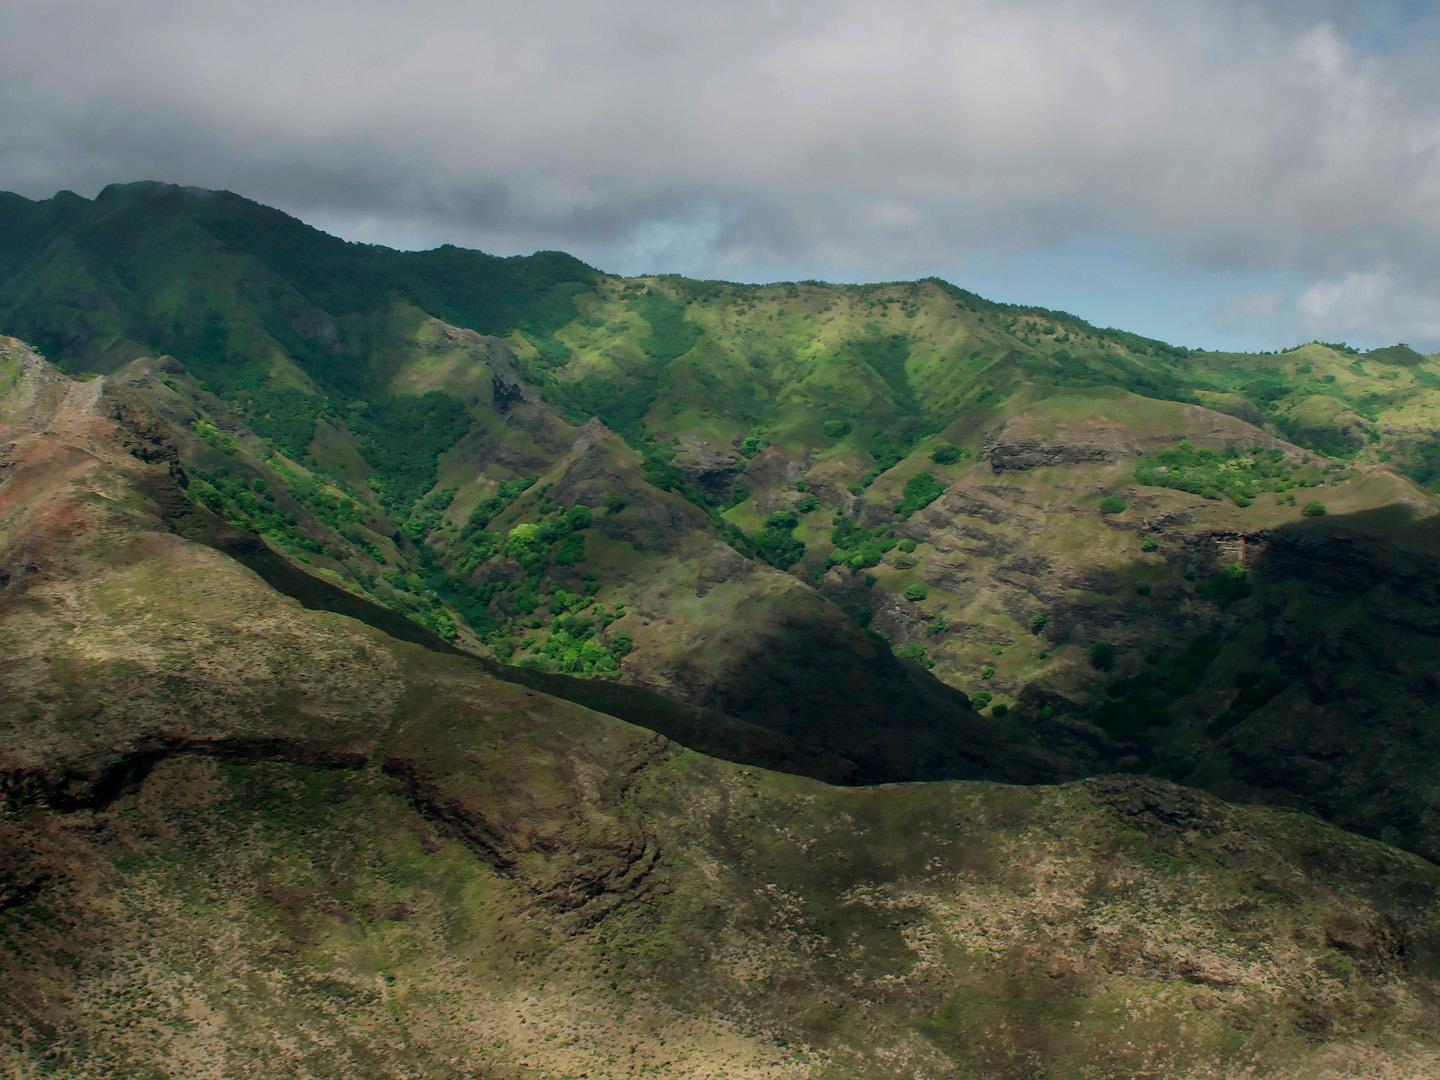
(1223, 174)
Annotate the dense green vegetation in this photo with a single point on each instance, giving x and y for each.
(1235, 474)
(1135, 704)
(948, 454)
(493, 505)
(1226, 587)
(401, 437)
(776, 543)
(856, 547)
(920, 491)
(249, 504)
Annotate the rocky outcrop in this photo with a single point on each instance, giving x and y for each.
(712, 469)
(1022, 455)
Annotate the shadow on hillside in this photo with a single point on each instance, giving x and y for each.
(709, 730)
(812, 697)
(1345, 608)
(1317, 688)
(1349, 606)
(812, 677)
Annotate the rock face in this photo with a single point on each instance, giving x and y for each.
(1025, 454)
(711, 469)
(244, 836)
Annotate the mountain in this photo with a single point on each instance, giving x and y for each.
(831, 522)
(244, 834)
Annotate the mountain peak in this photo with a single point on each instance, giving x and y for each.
(141, 189)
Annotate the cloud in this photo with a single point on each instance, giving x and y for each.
(761, 136)
(1373, 305)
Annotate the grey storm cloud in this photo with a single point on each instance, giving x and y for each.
(860, 138)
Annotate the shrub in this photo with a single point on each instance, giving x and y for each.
(1000, 710)
(776, 543)
(856, 547)
(1226, 587)
(920, 491)
(915, 593)
(1314, 509)
(1038, 622)
(948, 454)
(1149, 544)
(782, 519)
(1112, 504)
(1102, 656)
(808, 505)
(906, 546)
(987, 672)
(753, 444)
(836, 429)
(981, 700)
(916, 655)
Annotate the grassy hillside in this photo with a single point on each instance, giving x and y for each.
(840, 515)
(243, 836)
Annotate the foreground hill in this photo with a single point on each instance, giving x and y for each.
(244, 836)
(836, 522)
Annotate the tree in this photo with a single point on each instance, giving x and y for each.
(1314, 509)
(916, 592)
(948, 454)
(1226, 587)
(1112, 504)
(920, 491)
(1102, 656)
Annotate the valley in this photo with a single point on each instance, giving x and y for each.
(424, 663)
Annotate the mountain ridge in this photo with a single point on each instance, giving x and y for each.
(1074, 529)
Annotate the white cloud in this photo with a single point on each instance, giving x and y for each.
(852, 137)
(1372, 305)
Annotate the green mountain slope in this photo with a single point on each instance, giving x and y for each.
(240, 835)
(836, 516)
